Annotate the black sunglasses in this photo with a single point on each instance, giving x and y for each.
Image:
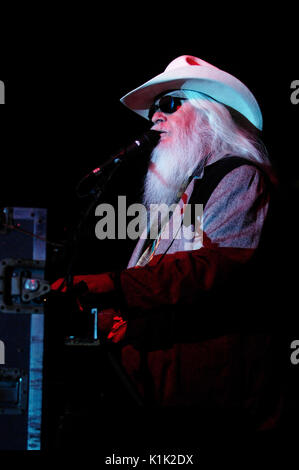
(167, 104)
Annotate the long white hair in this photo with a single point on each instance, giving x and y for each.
(227, 133)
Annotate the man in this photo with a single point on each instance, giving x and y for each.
(182, 303)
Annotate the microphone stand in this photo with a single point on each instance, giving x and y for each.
(103, 176)
(96, 193)
(99, 180)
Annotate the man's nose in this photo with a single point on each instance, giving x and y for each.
(158, 116)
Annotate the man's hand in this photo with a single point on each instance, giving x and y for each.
(118, 329)
(59, 285)
(96, 283)
(109, 321)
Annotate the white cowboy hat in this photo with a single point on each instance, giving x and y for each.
(191, 73)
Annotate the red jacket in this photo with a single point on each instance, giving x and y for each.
(185, 342)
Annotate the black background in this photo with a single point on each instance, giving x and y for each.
(64, 71)
(63, 116)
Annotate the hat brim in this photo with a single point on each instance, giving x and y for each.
(211, 81)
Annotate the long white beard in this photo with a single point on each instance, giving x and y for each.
(171, 165)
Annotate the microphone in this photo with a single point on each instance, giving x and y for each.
(146, 141)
